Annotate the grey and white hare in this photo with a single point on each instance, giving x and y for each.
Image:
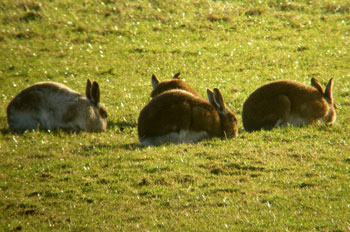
(52, 105)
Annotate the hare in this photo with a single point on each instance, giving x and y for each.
(177, 116)
(51, 105)
(174, 83)
(285, 102)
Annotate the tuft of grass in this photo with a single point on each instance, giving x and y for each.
(342, 8)
(255, 11)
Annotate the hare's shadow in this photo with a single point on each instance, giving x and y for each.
(5, 131)
(129, 146)
(121, 125)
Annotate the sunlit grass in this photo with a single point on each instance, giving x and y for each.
(286, 179)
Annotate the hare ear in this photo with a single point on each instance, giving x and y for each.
(215, 98)
(88, 89)
(328, 92)
(177, 76)
(210, 95)
(155, 81)
(95, 92)
(219, 100)
(315, 83)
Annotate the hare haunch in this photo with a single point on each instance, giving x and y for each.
(51, 105)
(177, 116)
(174, 83)
(283, 103)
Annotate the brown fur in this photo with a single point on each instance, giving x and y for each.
(174, 83)
(284, 101)
(176, 110)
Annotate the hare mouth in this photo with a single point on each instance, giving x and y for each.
(183, 136)
(331, 117)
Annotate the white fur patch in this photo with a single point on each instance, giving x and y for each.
(184, 136)
(296, 120)
(279, 123)
(23, 120)
(192, 136)
(46, 120)
(293, 120)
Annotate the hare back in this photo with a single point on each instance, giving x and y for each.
(43, 93)
(172, 84)
(290, 88)
(52, 87)
(183, 136)
(174, 111)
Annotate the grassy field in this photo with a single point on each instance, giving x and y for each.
(291, 179)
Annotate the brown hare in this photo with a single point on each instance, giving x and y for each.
(174, 83)
(51, 105)
(177, 116)
(285, 102)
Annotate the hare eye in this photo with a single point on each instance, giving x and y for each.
(103, 113)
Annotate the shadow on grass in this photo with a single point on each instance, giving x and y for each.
(5, 131)
(130, 146)
(100, 148)
(121, 125)
(57, 132)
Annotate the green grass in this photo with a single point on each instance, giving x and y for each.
(292, 179)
